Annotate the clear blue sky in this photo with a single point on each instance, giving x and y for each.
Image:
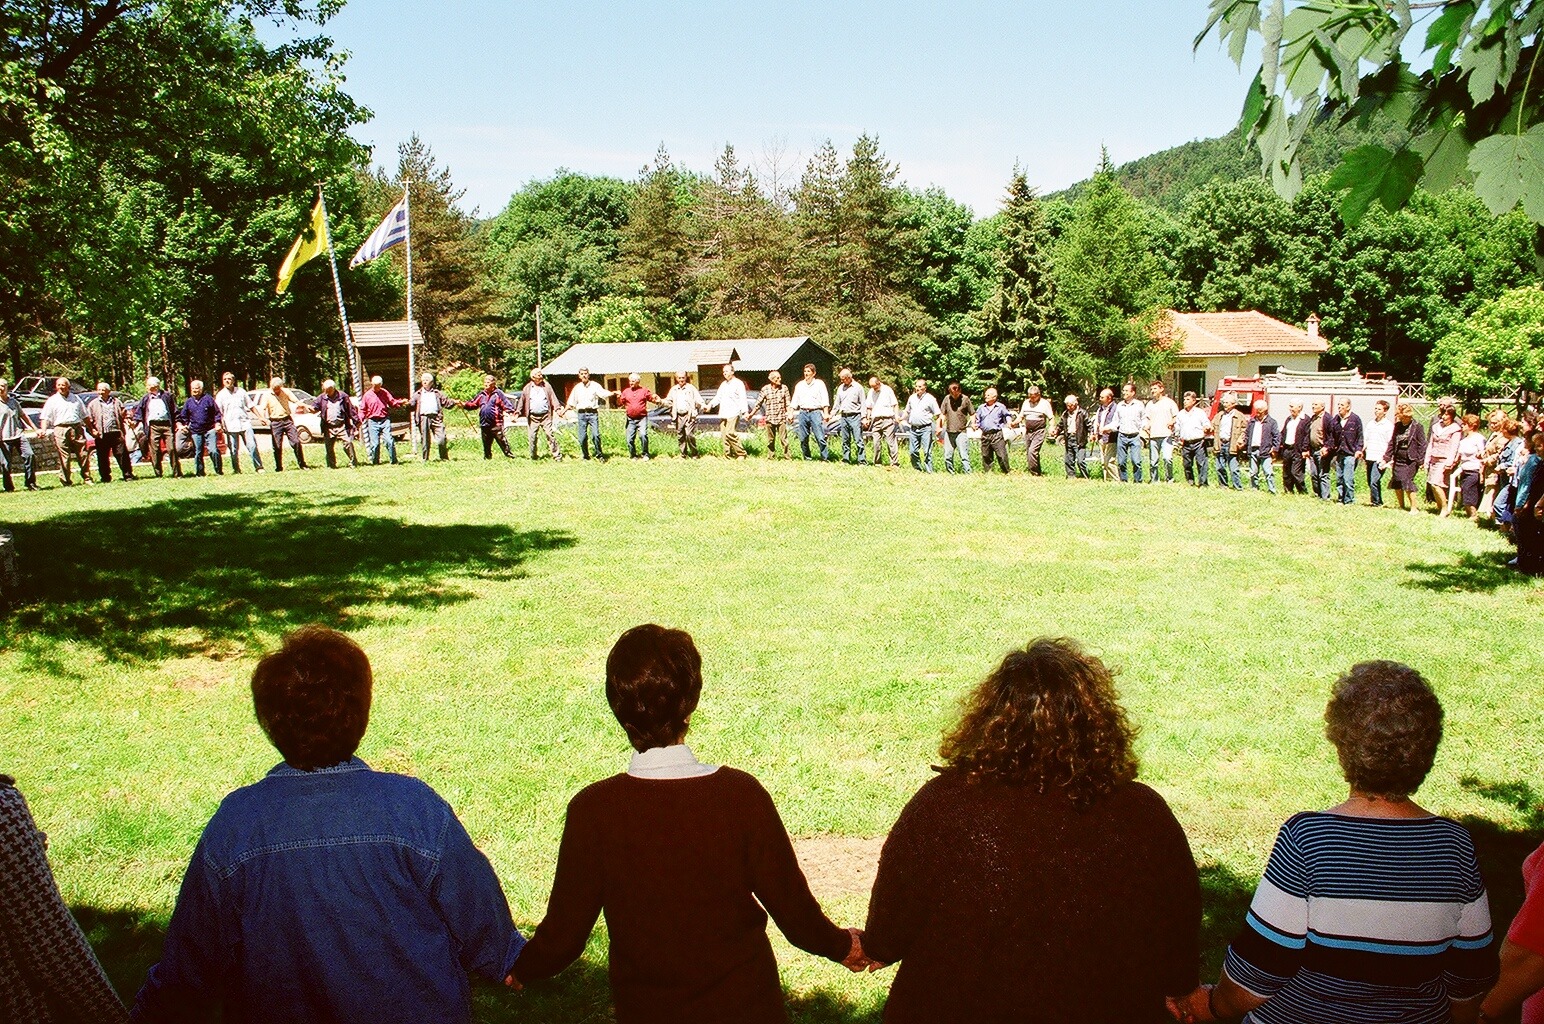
(507, 92)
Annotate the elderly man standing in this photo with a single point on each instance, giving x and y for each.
(773, 404)
(339, 423)
(107, 421)
(880, 409)
(491, 404)
(1106, 432)
(65, 415)
(921, 420)
(957, 412)
(1294, 445)
(428, 418)
(201, 416)
(375, 406)
(236, 422)
(280, 406)
(685, 402)
(1191, 426)
(1130, 415)
(1035, 416)
(732, 403)
(1321, 444)
(1348, 445)
(1158, 424)
(992, 417)
(849, 417)
(811, 402)
(586, 399)
(1375, 446)
(1072, 428)
(1228, 434)
(156, 412)
(1262, 439)
(540, 405)
(15, 449)
(636, 400)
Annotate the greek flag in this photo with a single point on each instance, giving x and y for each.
(392, 231)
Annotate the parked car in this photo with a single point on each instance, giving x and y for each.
(661, 420)
(307, 424)
(32, 391)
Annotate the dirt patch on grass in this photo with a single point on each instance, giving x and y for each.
(197, 673)
(837, 865)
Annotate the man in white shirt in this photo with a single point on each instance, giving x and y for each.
(1294, 446)
(1191, 425)
(428, 405)
(1105, 429)
(1035, 416)
(811, 402)
(1376, 435)
(65, 416)
(236, 422)
(879, 410)
(587, 399)
(685, 402)
(541, 407)
(1130, 415)
(922, 414)
(15, 449)
(850, 398)
(732, 403)
(1158, 424)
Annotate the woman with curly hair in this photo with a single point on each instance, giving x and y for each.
(1373, 910)
(1034, 878)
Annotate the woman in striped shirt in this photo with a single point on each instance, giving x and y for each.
(1373, 910)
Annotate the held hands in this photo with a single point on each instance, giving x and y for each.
(1194, 1008)
(856, 961)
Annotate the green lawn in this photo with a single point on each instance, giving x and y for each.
(841, 614)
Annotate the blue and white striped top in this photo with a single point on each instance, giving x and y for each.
(1362, 920)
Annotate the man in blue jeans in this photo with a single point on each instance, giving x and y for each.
(811, 401)
(202, 415)
(1129, 417)
(849, 410)
(1261, 439)
(327, 891)
(922, 420)
(1348, 444)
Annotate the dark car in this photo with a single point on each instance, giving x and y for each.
(32, 391)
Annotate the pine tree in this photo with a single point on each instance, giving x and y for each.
(1019, 315)
(657, 250)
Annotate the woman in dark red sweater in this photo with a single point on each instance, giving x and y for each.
(677, 854)
(1035, 879)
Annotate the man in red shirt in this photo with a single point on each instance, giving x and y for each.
(375, 406)
(636, 400)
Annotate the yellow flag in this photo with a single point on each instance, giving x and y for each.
(311, 241)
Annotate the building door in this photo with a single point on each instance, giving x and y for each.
(1192, 380)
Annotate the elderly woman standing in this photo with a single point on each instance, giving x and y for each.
(1373, 910)
(1406, 453)
(47, 969)
(1035, 878)
(1442, 457)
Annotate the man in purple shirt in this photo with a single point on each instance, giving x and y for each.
(375, 406)
(201, 415)
(991, 418)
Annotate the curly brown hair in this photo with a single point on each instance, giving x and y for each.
(312, 697)
(653, 680)
(1047, 717)
(1385, 723)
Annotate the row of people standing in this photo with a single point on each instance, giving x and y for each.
(1034, 877)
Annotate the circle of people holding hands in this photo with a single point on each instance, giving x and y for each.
(1032, 877)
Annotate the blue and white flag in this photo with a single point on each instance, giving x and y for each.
(392, 231)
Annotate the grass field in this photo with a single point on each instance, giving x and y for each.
(841, 614)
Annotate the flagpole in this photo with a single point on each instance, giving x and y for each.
(538, 335)
(407, 214)
(337, 288)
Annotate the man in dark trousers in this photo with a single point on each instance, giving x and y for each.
(1294, 450)
(156, 414)
(1072, 428)
(491, 404)
(339, 423)
(107, 421)
(1348, 444)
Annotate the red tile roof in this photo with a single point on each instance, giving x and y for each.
(1231, 334)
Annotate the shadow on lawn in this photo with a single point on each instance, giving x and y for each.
(1503, 848)
(1473, 573)
(214, 574)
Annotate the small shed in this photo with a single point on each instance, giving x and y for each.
(383, 347)
(1245, 344)
(657, 362)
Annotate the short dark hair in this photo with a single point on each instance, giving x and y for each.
(1048, 717)
(1385, 723)
(312, 697)
(653, 680)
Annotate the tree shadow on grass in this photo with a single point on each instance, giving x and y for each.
(217, 574)
(1225, 896)
(1503, 848)
(1472, 573)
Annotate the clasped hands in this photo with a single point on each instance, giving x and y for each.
(1194, 1008)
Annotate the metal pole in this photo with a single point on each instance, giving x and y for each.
(337, 287)
(538, 335)
(412, 362)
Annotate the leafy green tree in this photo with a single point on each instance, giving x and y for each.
(1499, 346)
(1018, 318)
(1472, 112)
(625, 318)
(1109, 293)
(657, 255)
